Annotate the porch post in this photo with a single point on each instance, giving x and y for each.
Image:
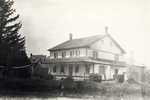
(93, 68)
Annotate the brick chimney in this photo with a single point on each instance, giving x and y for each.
(70, 36)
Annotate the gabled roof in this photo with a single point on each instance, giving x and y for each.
(77, 43)
(83, 42)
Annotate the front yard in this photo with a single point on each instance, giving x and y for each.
(81, 89)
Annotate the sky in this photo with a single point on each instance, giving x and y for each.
(47, 23)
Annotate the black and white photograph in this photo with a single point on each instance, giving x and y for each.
(74, 50)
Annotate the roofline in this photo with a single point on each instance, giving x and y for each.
(107, 35)
(68, 48)
(51, 49)
(123, 51)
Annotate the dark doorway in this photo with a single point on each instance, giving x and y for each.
(70, 69)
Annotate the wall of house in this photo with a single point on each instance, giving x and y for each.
(81, 51)
(106, 48)
(136, 73)
(106, 44)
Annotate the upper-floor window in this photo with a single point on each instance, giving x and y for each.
(63, 54)
(77, 52)
(95, 54)
(51, 54)
(71, 53)
(55, 55)
(116, 57)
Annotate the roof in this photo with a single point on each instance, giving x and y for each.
(88, 60)
(83, 42)
(77, 43)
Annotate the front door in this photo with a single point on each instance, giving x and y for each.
(70, 69)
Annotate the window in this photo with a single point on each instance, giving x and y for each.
(87, 67)
(63, 54)
(77, 52)
(55, 55)
(71, 53)
(54, 69)
(77, 68)
(95, 54)
(62, 70)
(116, 71)
(116, 57)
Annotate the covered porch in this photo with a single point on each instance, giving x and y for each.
(81, 69)
(78, 71)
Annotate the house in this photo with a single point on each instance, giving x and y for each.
(79, 58)
(137, 72)
(40, 66)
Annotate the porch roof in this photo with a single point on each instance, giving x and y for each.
(88, 60)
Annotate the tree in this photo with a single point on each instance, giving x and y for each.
(12, 43)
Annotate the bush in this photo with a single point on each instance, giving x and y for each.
(120, 78)
(68, 83)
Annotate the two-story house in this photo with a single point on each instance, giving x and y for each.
(79, 58)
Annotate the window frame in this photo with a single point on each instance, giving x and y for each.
(63, 54)
(95, 54)
(55, 55)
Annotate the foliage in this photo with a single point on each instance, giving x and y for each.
(12, 43)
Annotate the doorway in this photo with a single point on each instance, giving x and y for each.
(70, 69)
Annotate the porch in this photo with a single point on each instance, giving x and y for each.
(78, 71)
(82, 68)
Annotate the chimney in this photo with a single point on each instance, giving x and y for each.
(106, 29)
(70, 36)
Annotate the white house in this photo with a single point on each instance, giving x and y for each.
(79, 58)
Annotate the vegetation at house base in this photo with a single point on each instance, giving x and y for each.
(12, 43)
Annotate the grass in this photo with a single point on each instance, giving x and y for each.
(38, 88)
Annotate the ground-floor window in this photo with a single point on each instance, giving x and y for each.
(116, 71)
(54, 69)
(77, 68)
(87, 69)
(62, 70)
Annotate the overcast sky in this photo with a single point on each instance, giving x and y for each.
(47, 23)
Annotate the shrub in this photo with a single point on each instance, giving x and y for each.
(120, 78)
(68, 83)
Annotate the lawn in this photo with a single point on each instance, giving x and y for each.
(45, 89)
